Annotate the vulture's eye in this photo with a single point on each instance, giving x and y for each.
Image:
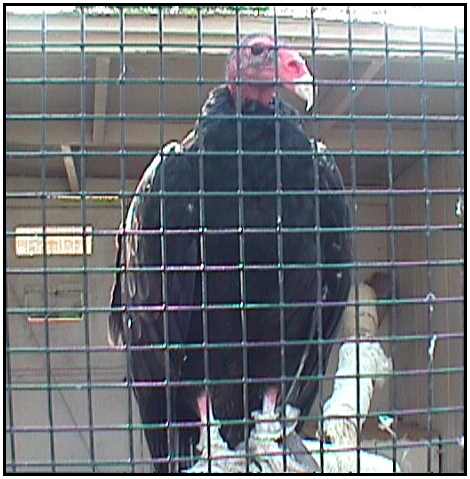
(257, 49)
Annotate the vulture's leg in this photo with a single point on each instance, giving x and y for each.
(270, 400)
(206, 415)
(208, 426)
(300, 459)
(226, 460)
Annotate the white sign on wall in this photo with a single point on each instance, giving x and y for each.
(60, 240)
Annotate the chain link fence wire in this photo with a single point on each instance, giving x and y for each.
(92, 96)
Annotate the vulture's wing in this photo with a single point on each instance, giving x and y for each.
(143, 289)
(335, 249)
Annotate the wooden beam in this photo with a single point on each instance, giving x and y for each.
(22, 135)
(101, 98)
(70, 170)
(344, 106)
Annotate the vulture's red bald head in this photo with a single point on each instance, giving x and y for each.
(256, 69)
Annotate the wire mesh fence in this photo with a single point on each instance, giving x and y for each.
(231, 256)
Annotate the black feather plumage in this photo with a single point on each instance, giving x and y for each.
(301, 168)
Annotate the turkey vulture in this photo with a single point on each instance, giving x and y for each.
(218, 260)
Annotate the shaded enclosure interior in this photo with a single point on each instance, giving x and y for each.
(405, 175)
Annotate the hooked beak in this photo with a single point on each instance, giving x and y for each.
(305, 89)
(296, 76)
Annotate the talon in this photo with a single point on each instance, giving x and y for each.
(229, 460)
(300, 453)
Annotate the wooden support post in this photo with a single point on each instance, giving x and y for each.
(70, 169)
